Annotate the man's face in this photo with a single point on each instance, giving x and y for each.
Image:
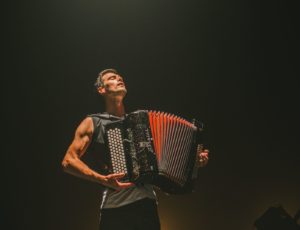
(113, 84)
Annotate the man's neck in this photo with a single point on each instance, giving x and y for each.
(115, 106)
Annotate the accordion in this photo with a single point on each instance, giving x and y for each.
(156, 148)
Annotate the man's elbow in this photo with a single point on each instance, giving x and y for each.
(65, 164)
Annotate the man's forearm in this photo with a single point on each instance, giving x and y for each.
(79, 169)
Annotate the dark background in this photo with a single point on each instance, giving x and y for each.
(231, 64)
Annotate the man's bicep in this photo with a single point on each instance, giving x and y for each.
(83, 137)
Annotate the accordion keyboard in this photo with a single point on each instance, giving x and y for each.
(117, 151)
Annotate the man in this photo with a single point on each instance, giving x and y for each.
(124, 205)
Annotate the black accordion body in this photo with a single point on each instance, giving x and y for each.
(154, 147)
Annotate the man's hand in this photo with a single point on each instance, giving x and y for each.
(112, 181)
(202, 156)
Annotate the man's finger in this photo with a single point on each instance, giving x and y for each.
(125, 184)
(204, 154)
(115, 176)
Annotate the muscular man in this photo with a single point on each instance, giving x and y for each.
(124, 205)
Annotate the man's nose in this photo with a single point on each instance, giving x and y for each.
(119, 78)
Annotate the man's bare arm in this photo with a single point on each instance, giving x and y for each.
(72, 163)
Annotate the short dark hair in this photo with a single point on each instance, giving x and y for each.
(99, 81)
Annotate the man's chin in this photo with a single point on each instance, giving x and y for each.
(120, 91)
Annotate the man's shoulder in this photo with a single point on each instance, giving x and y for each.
(105, 116)
(99, 115)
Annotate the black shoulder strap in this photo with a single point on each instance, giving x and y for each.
(97, 117)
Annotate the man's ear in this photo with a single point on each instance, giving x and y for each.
(101, 90)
